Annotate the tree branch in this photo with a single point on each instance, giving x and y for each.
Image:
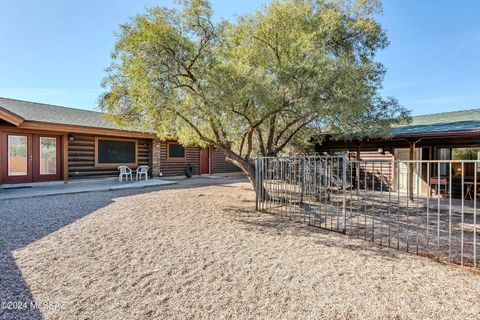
(195, 128)
(294, 132)
(271, 132)
(288, 126)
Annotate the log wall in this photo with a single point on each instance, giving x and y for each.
(170, 167)
(81, 157)
(219, 164)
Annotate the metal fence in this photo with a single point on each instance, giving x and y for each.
(428, 207)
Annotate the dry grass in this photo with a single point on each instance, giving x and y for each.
(204, 253)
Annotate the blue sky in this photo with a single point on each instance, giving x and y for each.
(56, 51)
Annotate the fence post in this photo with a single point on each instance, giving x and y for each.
(344, 189)
(302, 179)
(257, 183)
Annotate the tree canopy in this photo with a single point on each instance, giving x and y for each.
(251, 85)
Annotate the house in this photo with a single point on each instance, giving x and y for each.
(41, 142)
(440, 136)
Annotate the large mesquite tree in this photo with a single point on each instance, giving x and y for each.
(248, 87)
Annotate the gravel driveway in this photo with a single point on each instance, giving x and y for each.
(198, 250)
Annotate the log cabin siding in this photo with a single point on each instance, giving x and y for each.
(81, 156)
(219, 163)
(170, 167)
(375, 169)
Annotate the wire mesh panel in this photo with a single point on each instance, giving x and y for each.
(428, 207)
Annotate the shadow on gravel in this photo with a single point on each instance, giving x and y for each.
(26, 220)
(271, 223)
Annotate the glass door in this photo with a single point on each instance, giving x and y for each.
(17, 155)
(46, 158)
(402, 170)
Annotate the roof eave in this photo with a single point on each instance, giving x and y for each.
(11, 117)
(48, 126)
(437, 134)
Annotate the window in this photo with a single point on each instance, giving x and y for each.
(458, 154)
(465, 154)
(176, 150)
(48, 155)
(17, 155)
(443, 154)
(110, 152)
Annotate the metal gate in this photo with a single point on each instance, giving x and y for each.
(428, 207)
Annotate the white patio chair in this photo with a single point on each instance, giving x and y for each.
(142, 170)
(124, 171)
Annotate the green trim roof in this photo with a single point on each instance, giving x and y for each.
(455, 121)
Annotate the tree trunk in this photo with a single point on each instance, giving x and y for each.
(247, 167)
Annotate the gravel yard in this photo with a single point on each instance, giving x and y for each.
(199, 250)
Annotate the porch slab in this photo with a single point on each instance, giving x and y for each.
(32, 190)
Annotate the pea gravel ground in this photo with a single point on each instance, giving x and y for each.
(198, 250)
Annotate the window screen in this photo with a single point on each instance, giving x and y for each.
(176, 150)
(116, 151)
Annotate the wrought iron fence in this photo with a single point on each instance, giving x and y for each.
(428, 207)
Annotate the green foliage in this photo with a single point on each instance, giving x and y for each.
(251, 86)
(465, 153)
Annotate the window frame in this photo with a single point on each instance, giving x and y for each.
(40, 155)
(176, 158)
(115, 165)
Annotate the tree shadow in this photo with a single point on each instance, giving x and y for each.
(26, 220)
(272, 223)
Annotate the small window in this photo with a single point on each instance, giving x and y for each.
(176, 150)
(114, 152)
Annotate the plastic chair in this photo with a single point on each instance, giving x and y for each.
(142, 170)
(124, 171)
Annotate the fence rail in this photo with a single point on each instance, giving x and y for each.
(428, 207)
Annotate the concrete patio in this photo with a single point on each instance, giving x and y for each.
(75, 186)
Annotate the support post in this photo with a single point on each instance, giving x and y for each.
(257, 184)
(357, 169)
(344, 190)
(302, 180)
(411, 167)
(411, 172)
(65, 157)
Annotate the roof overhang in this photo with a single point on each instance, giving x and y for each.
(441, 134)
(419, 135)
(54, 127)
(11, 117)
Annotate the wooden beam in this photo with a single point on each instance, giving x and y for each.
(10, 117)
(411, 167)
(65, 158)
(34, 125)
